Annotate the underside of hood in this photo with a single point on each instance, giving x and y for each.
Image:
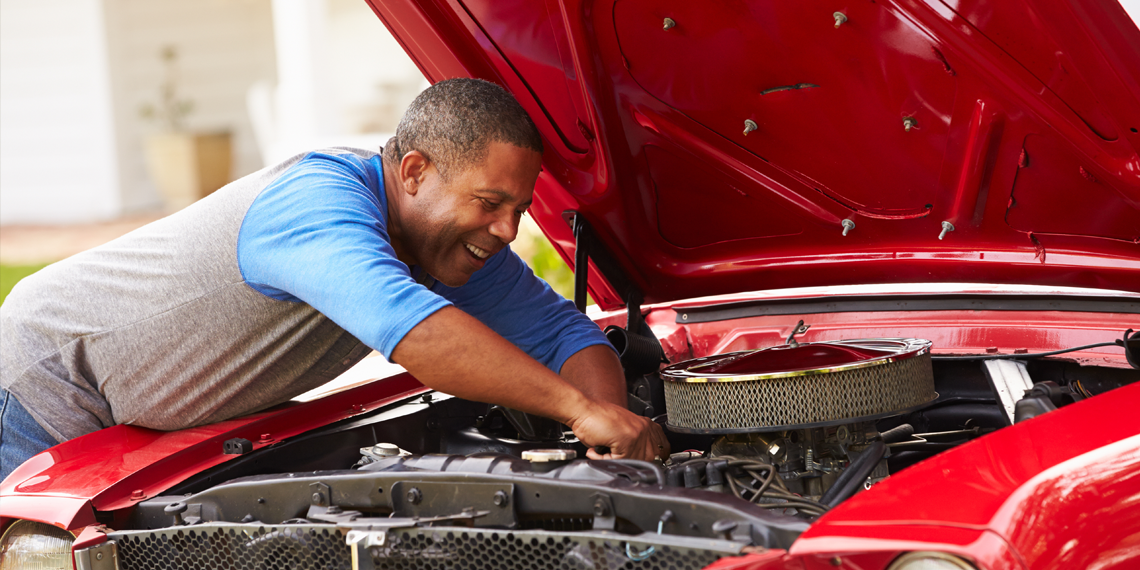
(716, 147)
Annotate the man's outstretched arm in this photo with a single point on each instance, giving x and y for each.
(596, 371)
(455, 353)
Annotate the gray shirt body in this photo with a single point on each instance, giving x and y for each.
(158, 329)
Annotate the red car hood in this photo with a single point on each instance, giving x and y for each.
(1014, 123)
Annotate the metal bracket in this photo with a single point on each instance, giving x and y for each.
(605, 518)
(434, 499)
(1010, 379)
(365, 534)
(921, 438)
(184, 514)
(322, 495)
(332, 514)
(800, 328)
(359, 541)
(104, 556)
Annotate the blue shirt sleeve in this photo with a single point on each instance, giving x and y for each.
(507, 297)
(318, 235)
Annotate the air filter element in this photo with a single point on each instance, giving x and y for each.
(799, 386)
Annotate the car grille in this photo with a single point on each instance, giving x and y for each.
(235, 547)
(471, 549)
(221, 546)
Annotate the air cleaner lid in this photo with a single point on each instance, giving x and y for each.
(796, 360)
(799, 386)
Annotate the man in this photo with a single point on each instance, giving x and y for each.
(282, 280)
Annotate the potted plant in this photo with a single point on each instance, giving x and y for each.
(184, 164)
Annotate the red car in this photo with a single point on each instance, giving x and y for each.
(875, 266)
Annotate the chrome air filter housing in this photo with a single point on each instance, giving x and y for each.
(799, 386)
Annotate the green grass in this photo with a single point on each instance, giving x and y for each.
(12, 274)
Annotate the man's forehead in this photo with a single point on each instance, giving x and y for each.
(506, 172)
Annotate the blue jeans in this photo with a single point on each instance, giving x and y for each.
(20, 436)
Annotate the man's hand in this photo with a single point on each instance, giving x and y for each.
(455, 353)
(596, 371)
(626, 434)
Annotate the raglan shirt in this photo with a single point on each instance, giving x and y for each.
(267, 288)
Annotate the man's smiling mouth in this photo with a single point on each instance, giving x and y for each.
(480, 253)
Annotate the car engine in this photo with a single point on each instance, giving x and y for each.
(764, 442)
(795, 425)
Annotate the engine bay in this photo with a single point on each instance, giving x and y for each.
(443, 477)
(808, 459)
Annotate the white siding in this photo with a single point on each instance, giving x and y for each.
(75, 74)
(224, 47)
(373, 79)
(57, 145)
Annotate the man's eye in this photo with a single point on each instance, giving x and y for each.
(489, 204)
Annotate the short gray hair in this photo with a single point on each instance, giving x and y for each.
(454, 121)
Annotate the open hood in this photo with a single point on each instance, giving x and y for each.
(733, 146)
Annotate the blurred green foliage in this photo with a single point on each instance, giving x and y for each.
(548, 265)
(12, 274)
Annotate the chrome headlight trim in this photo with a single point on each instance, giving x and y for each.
(913, 560)
(25, 540)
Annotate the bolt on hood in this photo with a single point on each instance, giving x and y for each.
(724, 147)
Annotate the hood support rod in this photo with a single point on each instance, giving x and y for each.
(587, 247)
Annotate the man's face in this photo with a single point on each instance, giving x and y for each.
(451, 228)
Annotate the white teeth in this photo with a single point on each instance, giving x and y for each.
(478, 252)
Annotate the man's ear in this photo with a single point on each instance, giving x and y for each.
(413, 168)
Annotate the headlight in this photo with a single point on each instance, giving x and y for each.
(930, 561)
(28, 545)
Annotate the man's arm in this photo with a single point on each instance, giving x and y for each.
(596, 371)
(455, 353)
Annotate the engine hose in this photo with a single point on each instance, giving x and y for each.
(852, 477)
(658, 472)
(898, 434)
(1130, 340)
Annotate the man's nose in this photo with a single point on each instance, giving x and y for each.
(505, 227)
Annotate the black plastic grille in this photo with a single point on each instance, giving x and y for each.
(246, 547)
(223, 546)
(453, 549)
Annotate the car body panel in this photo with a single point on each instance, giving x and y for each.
(773, 559)
(65, 512)
(970, 328)
(1082, 513)
(1025, 138)
(114, 468)
(1061, 489)
(858, 548)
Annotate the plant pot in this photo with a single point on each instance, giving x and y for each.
(188, 166)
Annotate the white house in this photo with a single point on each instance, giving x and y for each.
(281, 75)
